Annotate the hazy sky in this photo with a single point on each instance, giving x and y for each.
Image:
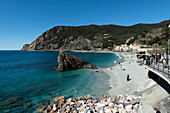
(22, 21)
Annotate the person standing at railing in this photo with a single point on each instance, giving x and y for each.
(157, 59)
(147, 60)
(151, 59)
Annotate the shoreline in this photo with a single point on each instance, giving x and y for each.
(120, 60)
(78, 51)
(105, 70)
(118, 76)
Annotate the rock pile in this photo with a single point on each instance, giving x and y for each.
(104, 104)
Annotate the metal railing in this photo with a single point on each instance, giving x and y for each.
(160, 67)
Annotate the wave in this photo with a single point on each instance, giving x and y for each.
(118, 56)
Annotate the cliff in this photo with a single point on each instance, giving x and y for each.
(78, 44)
(87, 37)
(67, 62)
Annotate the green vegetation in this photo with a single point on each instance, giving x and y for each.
(118, 34)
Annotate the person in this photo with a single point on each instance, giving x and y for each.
(148, 60)
(127, 77)
(162, 58)
(151, 59)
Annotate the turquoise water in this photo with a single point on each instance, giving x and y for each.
(30, 77)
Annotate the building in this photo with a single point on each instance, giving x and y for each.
(127, 48)
(117, 48)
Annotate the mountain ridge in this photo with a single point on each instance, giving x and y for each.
(96, 36)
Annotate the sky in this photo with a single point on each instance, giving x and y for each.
(22, 21)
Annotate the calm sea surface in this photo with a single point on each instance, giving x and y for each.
(28, 78)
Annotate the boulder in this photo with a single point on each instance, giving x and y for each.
(58, 98)
(49, 108)
(74, 111)
(54, 108)
(68, 110)
(69, 100)
(67, 62)
(60, 102)
(40, 110)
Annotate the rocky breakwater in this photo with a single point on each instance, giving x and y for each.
(67, 62)
(104, 104)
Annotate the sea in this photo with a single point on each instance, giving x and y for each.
(29, 80)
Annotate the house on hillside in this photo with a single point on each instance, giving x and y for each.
(117, 48)
(127, 48)
(135, 47)
(122, 47)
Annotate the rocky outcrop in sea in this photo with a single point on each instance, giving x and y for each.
(104, 104)
(67, 62)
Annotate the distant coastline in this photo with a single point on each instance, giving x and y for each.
(79, 51)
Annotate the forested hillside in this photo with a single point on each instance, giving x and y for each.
(88, 37)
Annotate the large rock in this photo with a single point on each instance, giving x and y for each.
(67, 62)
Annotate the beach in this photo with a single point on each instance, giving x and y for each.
(119, 72)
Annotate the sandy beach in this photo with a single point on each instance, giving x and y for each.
(119, 72)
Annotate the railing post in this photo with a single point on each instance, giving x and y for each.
(163, 68)
(168, 70)
(158, 65)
